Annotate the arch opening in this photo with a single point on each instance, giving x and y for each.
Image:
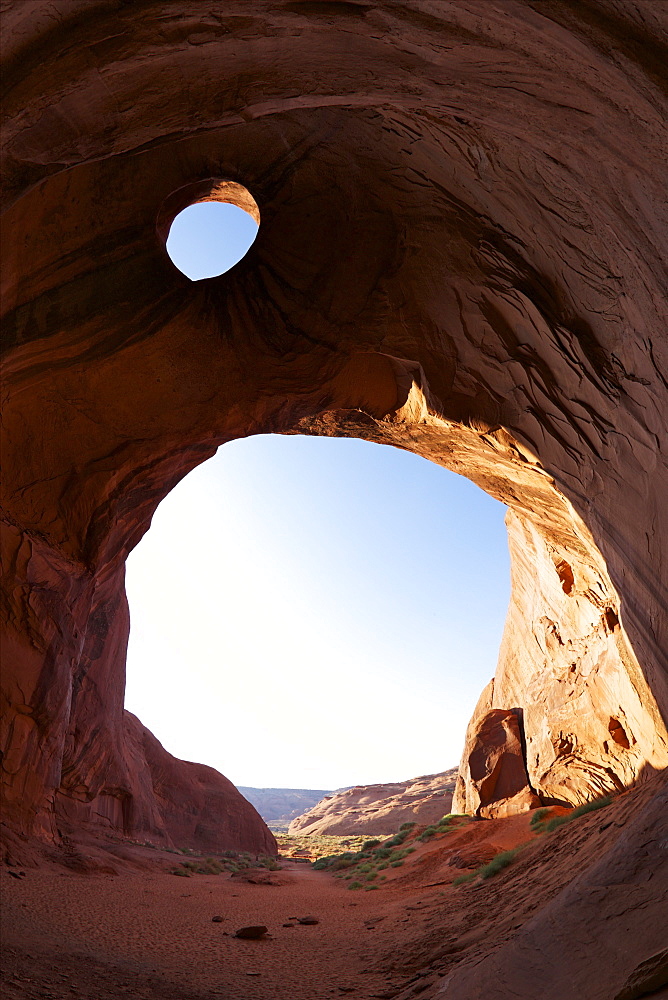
(339, 603)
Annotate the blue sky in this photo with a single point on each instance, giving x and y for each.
(316, 612)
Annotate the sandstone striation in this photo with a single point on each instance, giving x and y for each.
(380, 809)
(461, 252)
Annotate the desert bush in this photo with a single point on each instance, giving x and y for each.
(461, 879)
(355, 885)
(399, 855)
(396, 864)
(323, 863)
(538, 817)
(382, 853)
(582, 810)
(270, 863)
(498, 863)
(406, 827)
(428, 832)
(397, 839)
(368, 845)
(371, 876)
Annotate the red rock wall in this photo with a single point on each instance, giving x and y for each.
(460, 253)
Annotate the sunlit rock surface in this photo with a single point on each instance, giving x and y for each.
(380, 809)
(462, 253)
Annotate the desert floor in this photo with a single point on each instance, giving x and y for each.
(150, 935)
(113, 922)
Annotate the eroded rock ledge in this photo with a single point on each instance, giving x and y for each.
(461, 253)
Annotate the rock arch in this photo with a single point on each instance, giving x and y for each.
(460, 254)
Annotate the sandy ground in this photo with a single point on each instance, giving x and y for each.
(122, 926)
(151, 935)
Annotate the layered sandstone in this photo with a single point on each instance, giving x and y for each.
(462, 252)
(380, 809)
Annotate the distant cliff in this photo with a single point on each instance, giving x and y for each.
(380, 809)
(279, 806)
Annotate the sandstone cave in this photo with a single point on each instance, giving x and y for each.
(462, 254)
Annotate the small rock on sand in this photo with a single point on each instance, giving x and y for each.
(252, 933)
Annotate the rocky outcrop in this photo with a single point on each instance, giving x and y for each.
(144, 793)
(461, 252)
(492, 781)
(601, 936)
(380, 809)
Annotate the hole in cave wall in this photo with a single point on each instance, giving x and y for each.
(618, 733)
(208, 227)
(566, 576)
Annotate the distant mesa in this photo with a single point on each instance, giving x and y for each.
(279, 806)
(380, 809)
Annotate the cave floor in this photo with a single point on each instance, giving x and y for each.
(122, 925)
(151, 935)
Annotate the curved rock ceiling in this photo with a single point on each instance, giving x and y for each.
(461, 254)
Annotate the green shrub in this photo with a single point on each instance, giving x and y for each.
(397, 839)
(498, 863)
(270, 863)
(582, 810)
(461, 879)
(382, 852)
(367, 887)
(355, 885)
(324, 862)
(538, 817)
(338, 863)
(396, 864)
(381, 868)
(406, 827)
(370, 844)
(371, 876)
(364, 868)
(428, 832)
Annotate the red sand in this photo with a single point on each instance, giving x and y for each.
(146, 934)
(151, 935)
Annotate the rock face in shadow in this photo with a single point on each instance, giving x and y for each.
(161, 799)
(380, 809)
(461, 252)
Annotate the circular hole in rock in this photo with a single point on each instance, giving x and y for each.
(208, 238)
